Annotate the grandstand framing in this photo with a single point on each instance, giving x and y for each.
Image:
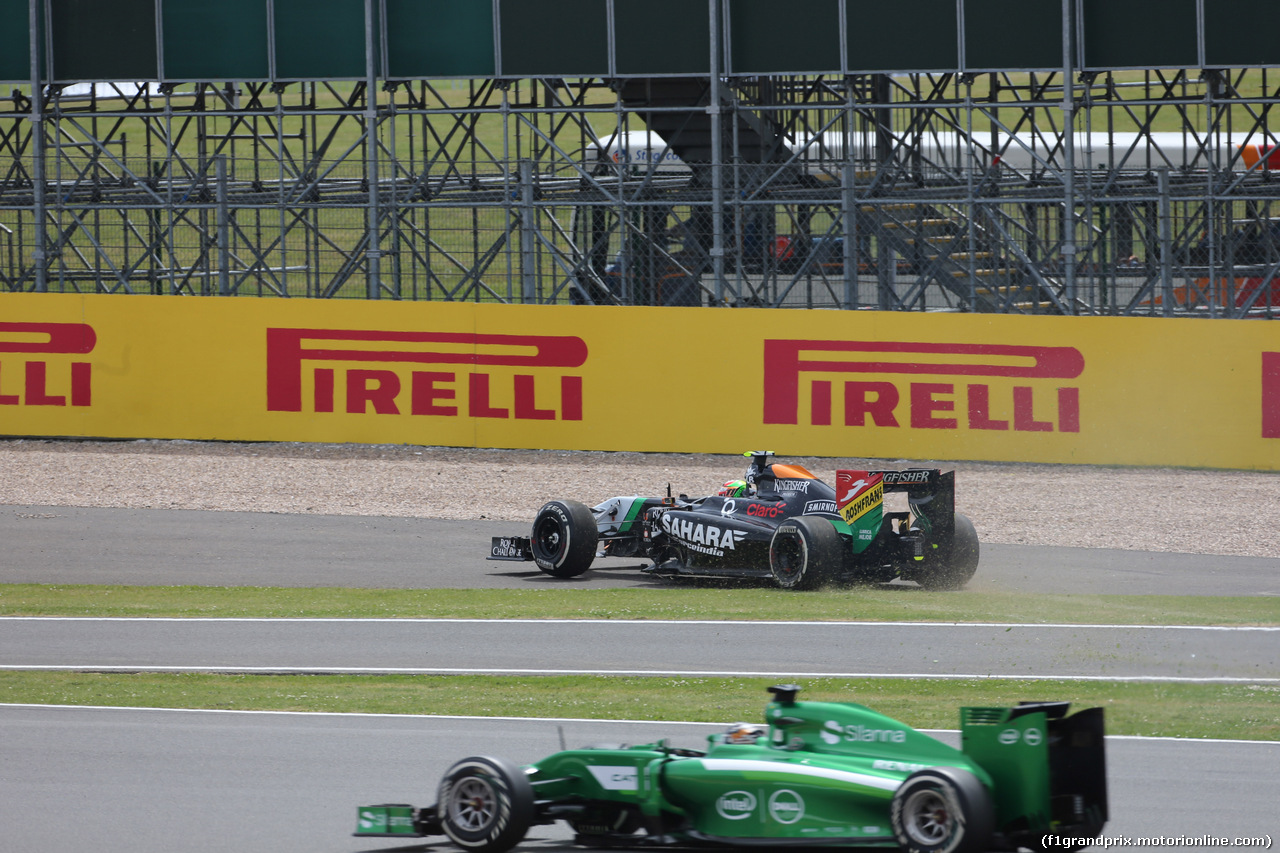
(944, 189)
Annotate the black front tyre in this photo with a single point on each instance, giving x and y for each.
(956, 561)
(942, 810)
(564, 538)
(805, 553)
(486, 804)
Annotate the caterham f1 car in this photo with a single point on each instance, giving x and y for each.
(780, 522)
(817, 773)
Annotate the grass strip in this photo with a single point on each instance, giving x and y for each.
(733, 602)
(1240, 711)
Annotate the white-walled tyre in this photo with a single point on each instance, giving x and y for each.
(958, 560)
(564, 538)
(942, 810)
(485, 804)
(805, 553)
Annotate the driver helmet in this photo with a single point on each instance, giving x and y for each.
(743, 733)
(733, 489)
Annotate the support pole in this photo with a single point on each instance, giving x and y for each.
(717, 157)
(40, 256)
(848, 200)
(1166, 241)
(373, 254)
(528, 236)
(1068, 162)
(224, 228)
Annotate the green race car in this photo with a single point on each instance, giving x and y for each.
(818, 773)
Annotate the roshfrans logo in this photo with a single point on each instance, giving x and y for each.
(833, 731)
(876, 394)
(736, 805)
(858, 493)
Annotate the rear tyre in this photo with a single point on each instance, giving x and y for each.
(957, 561)
(942, 810)
(805, 553)
(486, 804)
(564, 538)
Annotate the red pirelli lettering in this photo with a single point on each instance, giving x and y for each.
(931, 403)
(429, 392)
(1271, 395)
(70, 338)
(51, 339)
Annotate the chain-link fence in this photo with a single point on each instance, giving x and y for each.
(819, 193)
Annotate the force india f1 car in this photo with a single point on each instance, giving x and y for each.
(819, 773)
(781, 522)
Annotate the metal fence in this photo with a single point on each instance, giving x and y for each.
(920, 192)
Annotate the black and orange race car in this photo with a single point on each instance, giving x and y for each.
(779, 522)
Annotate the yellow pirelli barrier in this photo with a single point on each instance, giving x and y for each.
(1088, 390)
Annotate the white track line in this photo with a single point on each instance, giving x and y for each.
(683, 673)
(635, 622)
(26, 705)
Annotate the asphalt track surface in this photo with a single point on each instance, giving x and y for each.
(149, 781)
(154, 781)
(163, 547)
(783, 650)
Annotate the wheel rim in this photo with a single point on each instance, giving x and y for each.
(549, 538)
(927, 817)
(786, 555)
(472, 804)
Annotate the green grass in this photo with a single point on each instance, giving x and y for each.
(1160, 710)
(907, 604)
(1183, 709)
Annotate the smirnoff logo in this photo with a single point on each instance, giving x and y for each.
(965, 399)
(45, 381)
(453, 374)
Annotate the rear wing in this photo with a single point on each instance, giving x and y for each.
(1049, 768)
(931, 496)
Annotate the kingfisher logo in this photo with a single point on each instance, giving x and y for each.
(451, 374)
(875, 399)
(31, 351)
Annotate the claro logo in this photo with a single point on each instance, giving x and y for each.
(31, 349)
(966, 397)
(450, 374)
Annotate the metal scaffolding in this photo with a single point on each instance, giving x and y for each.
(1140, 192)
